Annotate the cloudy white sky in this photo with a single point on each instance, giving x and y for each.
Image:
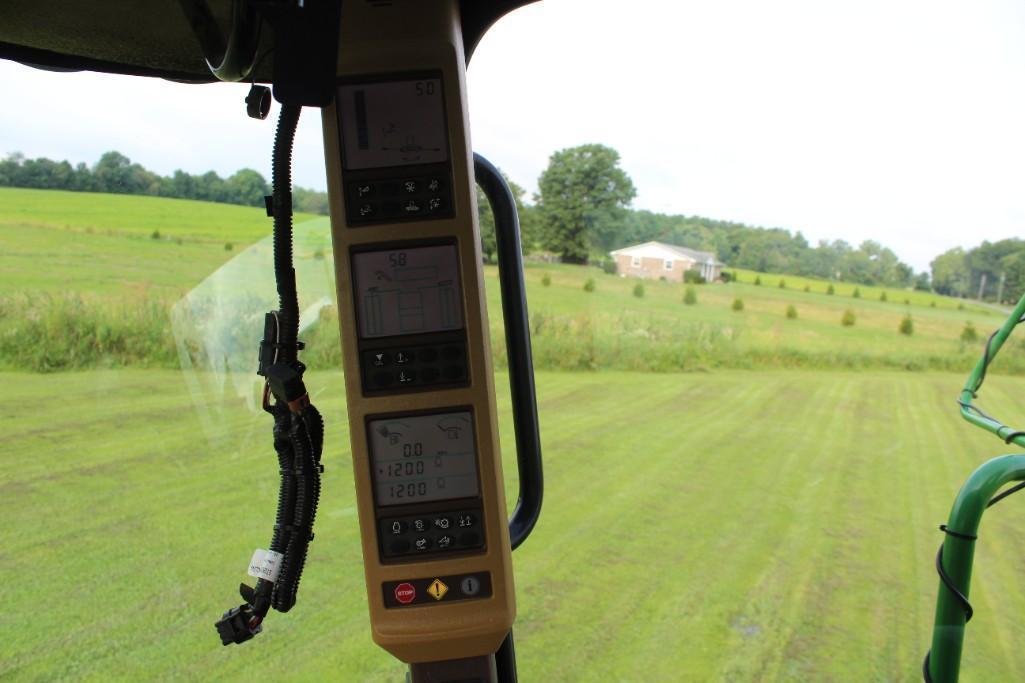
(901, 121)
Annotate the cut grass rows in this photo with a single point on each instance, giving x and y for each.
(738, 526)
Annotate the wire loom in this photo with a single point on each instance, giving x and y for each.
(298, 426)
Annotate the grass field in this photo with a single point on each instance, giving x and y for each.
(99, 251)
(104, 244)
(768, 516)
(737, 526)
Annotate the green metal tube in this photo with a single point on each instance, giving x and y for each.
(958, 553)
(978, 372)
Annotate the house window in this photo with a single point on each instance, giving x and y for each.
(668, 264)
(635, 261)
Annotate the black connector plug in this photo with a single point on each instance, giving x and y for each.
(286, 384)
(234, 625)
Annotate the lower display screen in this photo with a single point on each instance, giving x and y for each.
(423, 458)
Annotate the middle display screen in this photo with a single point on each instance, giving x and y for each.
(423, 458)
(408, 291)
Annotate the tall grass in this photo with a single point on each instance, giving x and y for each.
(48, 333)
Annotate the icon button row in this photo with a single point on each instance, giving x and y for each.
(429, 533)
(433, 590)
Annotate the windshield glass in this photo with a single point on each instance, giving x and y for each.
(763, 250)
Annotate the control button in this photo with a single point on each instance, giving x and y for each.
(470, 585)
(422, 544)
(397, 527)
(409, 186)
(405, 593)
(364, 190)
(427, 355)
(412, 206)
(434, 204)
(402, 357)
(366, 210)
(437, 589)
(452, 353)
(433, 184)
(453, 372)
(420, 525)
(407, 377)
(383, 379)
(445, 541)
(470, 538)
(466, 520)
(429, 374)
(399, 546)
(379, 359)
(443, 523)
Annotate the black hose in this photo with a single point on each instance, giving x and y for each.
(284, 273)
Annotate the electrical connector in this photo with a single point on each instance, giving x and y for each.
(234, 626)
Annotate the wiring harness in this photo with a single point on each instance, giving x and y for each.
(298, 427)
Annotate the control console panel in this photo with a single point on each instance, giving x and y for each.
(416, 352)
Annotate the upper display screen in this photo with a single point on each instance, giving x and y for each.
(408, 291)
(394, 123)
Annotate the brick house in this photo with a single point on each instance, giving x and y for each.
(656, 260)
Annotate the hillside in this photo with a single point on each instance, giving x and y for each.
(114, 244)
(110, 254)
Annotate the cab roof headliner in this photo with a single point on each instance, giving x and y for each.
(150, 38)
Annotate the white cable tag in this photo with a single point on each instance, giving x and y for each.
(266, 564)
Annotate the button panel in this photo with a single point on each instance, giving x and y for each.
(398, 198)
(414, 367)
(446, 531)
(436, 590)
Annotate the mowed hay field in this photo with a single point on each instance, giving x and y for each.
(769, 514)
(90, 259)
(735, 526)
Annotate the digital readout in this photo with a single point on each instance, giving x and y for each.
(423, 458)
(394, 123)
(408, 291)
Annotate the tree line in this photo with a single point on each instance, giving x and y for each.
(114, 172)
(992, 271)
(582, 212)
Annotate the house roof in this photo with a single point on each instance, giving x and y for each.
(663, 250)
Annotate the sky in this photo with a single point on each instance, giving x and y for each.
(900, 121)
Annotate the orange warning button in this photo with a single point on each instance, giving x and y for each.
(437, 589)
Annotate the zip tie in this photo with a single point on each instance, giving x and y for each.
(956, 534)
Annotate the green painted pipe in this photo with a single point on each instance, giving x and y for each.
(958, 553)
(971, 387)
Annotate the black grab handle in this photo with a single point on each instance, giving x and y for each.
(517, 347)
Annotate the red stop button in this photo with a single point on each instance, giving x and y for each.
(405, 593)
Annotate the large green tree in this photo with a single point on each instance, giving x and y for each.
(950, 273)
(583, 193)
